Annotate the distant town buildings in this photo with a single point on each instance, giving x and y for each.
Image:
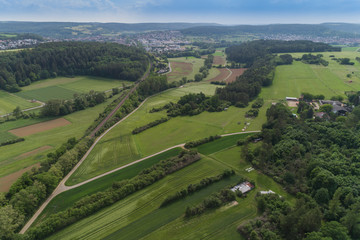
(14, 44)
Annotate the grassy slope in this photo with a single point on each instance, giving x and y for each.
(291, 80)
(65, 88)
(67, 199)
(136, 207)
(120, 147)
(138, 216)
(8, 102)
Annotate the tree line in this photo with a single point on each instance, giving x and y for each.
(192, 188)
(58, 107)
(49, 60)
(149, 125)
(318, 160)
(247, 53)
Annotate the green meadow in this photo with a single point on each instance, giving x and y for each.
(120, 147)
(292, 80)
(65, 88)
(9, 101)
(139, 216)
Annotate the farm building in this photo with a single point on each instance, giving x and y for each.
(294, 99)
(243, 187)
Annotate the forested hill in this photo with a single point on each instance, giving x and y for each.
(67, 29)
(68, 59)
(319, 30)
(248, 52)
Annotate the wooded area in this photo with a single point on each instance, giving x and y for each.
(49, 60)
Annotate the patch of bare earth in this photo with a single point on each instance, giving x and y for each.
(224, 73)
(219, 60)
(235, 73)
(39, 127)
(180, 68)
(7, 181)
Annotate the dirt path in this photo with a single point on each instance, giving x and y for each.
(62, 187)
(42, 104)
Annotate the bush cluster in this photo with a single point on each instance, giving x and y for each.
(193, 144)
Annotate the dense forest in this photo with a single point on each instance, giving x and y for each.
(319, 162)
(48, 60)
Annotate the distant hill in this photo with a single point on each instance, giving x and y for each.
(72, 29)
(343, 27)
(320, 30)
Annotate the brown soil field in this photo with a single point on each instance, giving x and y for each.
(224, 73)
(7, 181)
(39, 127)
(33, 152)
(180, 68)
(219, 60)
(235, 73)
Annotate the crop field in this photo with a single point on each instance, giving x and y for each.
(39, 127)
(68, 198)
(185, 72)
(65, 88)
(9, 157)
(291, 80)
(9, 101)
(224, 73)
(120, 147)
(139, 215)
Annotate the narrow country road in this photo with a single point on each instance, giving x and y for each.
(62, 187)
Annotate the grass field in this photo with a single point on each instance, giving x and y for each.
(292, 80)
(65, 88)
(68, 198)
(9, 101)
(54, 138)
(120, 147)
(138, 216)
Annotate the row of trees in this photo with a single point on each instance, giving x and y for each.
(193, 144)
(318, 159)
(192, 188)
(119, 190)
(215, 200)
(149, 125)
(71, 58)
(58, 107)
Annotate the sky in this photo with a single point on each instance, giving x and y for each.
(230, 12)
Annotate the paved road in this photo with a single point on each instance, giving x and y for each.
(62, 187)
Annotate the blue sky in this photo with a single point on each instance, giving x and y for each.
(218, 11)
